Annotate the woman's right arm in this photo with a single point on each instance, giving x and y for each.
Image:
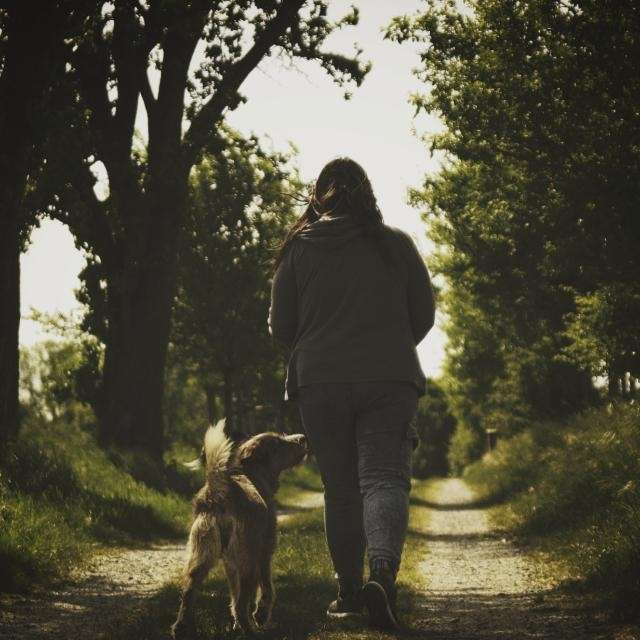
(420, 295)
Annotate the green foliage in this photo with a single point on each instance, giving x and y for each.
(241, 203)
(535, 217)
(465, 447)
(186, 410)
(579, 483)
(602, 333)
(52, 381)
(60, 378)
(535, 209)
(61, 493)
(435, 426)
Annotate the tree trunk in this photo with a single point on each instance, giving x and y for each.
(141, 291)
(212, 412)
(280, 414)
(229, 409)
(9, 322)
(25, 78)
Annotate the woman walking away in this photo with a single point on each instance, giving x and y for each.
(352, 298)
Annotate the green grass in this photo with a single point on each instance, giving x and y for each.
(574, 491)
(61, 497)
(304, 583)
(298, 485)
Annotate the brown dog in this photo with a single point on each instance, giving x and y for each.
(235, 519)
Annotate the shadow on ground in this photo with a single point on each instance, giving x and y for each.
(455, 506)
(549, 615)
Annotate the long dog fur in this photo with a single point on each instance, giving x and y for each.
(235, 520)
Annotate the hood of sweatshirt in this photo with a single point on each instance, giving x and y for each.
(331, 232)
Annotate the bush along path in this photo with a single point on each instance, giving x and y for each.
(460, 580)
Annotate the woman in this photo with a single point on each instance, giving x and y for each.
(352, 298)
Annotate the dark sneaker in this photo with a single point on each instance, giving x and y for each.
(379, 595)
(349, 601)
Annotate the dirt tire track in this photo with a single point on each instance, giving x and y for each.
(482, 586)
(112, 589)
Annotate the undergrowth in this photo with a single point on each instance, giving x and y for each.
(580, 485)
(61, 495)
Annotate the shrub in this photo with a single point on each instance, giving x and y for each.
(435, 425)
(466, 446)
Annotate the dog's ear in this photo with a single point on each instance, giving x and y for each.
(254, 450)
(198, 463)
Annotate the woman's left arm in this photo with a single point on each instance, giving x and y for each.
(283, 313)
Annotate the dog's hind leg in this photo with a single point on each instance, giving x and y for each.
(204, 550)
(244, 600)
(267, 593)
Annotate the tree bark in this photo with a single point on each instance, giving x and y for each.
(9, 318)
(212, 413)
(26, 75)
(141, 292)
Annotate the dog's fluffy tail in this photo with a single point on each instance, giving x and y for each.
(217, 451)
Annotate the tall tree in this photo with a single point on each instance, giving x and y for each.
(241, 203)
(32, 34)
(537, 205)
(133, 235)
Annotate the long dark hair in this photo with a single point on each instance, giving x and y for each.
(342, 188)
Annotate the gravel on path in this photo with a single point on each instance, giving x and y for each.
(481, 586)
(111, 590)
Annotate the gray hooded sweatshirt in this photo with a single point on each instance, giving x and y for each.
(348, 312)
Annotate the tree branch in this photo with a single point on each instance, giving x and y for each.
(178, 46)
(92, 64)
(130, 59)
(213, 110)
(150, 103)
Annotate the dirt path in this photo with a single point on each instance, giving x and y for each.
(114, 587)
(482, 587)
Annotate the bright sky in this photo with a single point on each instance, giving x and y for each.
(300, 105)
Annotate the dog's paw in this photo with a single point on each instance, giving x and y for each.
(246, 628)
(263, 616)
(183, 630)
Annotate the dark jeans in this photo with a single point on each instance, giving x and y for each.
(362, 435)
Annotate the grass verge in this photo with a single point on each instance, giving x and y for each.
(61, 497)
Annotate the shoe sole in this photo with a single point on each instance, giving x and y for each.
(377, 604)
(344, 614)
